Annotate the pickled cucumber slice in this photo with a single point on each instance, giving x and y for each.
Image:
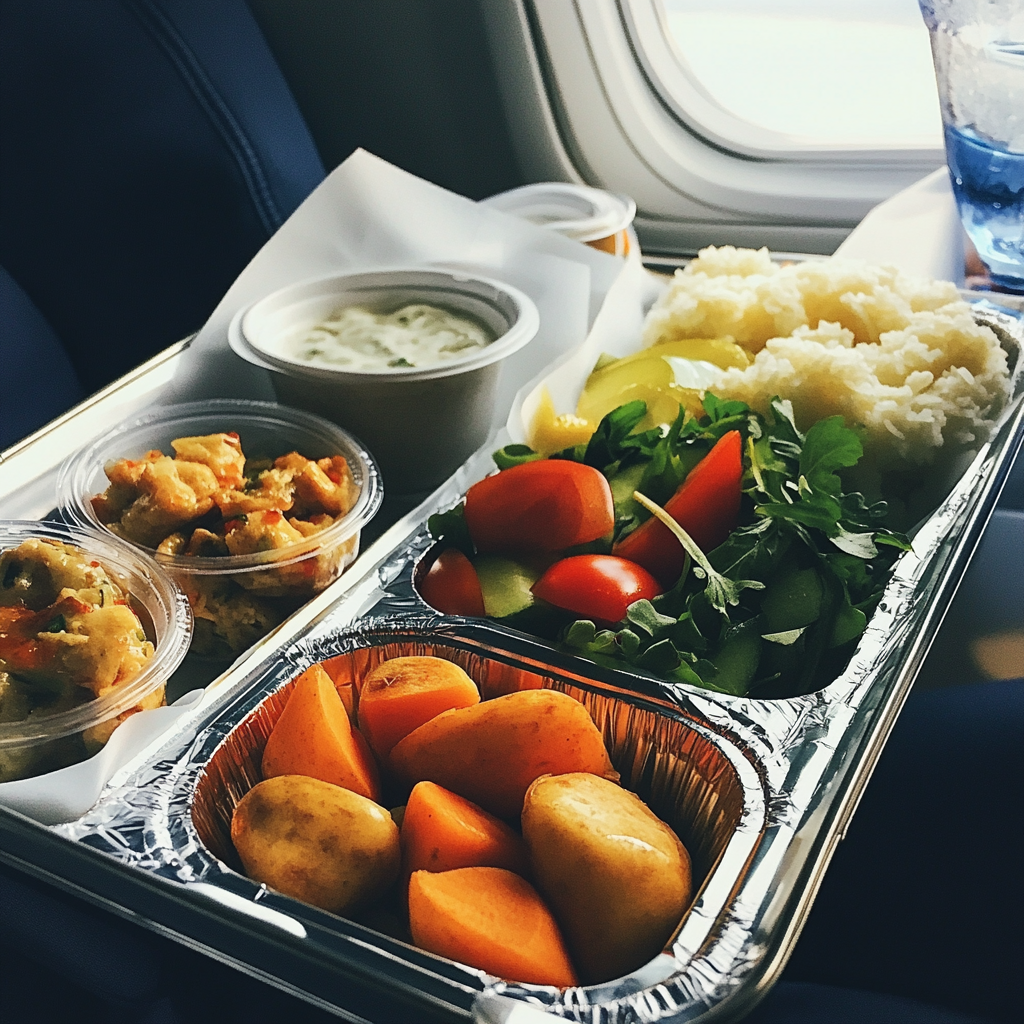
(665, 376)
(552, 432)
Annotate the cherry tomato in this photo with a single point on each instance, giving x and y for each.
(598, 587)
(706, 506)
(548, 505)
(451, 585)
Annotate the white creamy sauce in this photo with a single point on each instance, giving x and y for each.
(354, 338)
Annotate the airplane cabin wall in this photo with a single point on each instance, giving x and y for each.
(409, 80)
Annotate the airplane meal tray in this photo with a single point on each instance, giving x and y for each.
(760, 791)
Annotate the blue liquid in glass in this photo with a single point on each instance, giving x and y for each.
(988, 183)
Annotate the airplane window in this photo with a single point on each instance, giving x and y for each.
(750, 122)
(831, 73)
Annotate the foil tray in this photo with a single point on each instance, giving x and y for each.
(761, 791)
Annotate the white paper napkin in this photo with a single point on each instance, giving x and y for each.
(68, 793)
(917, 230)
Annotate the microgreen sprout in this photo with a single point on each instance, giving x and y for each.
(720, 590)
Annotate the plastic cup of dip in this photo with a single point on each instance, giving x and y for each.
(421, 421)
(44, 741)
(236, 599)
(603, 220)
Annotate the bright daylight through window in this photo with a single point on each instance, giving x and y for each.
(830, 73)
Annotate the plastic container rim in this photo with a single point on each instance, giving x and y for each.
(428, 279)
(173, 629)
(74, 473)
(612, 211)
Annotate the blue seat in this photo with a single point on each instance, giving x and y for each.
(37, 381)
(148, 149)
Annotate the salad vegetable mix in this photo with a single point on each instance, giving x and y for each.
(721, 552)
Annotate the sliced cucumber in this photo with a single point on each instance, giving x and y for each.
(622, 485)
(505, 584)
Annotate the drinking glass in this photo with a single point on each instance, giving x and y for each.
(978, 51)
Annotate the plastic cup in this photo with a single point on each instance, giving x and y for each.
(236, 598)
(46, 742)
(978, 51)
(421, 423)
(603, 220)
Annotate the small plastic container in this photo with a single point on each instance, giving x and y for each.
(603, 220)
(236, 599)
(421, 423)
(46, 742)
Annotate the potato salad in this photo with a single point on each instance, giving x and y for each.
(67, 635)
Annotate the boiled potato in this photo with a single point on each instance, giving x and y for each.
(617, 878)
(315, 841)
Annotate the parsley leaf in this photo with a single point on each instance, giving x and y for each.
(615, 444)
(828, 446)
(451, 529)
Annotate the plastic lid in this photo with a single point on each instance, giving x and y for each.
(576, 211)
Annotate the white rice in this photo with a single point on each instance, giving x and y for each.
(900, 358)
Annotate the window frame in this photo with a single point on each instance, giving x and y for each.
(581, 105)
(682, 93)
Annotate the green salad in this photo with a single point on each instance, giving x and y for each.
(761, 583)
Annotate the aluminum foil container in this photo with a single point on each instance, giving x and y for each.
(761, 791)
(697, 780)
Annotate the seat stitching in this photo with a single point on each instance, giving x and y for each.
(224, 121)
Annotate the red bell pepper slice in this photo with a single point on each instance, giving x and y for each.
(706, 506)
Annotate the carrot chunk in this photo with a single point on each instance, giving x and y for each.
(314, 737)
(335, 668)
(490, 919)
(399, 695)
(442, 831)
(490, 753)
